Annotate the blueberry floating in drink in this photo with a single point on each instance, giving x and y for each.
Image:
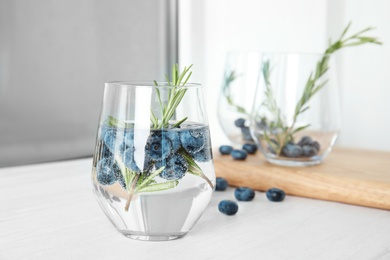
(193, 140)
(175, 167)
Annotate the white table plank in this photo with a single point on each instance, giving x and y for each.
(48, 211)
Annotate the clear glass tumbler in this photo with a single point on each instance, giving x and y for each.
(153, 174)
(296, 114)
(241, 77)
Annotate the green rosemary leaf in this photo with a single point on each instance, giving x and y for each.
(179, 122)
(155, 83)
(312, 86)
(158, 186)
(300, 129)
(149, 178)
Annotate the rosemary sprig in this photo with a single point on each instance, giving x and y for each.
(312, 86)
(175, 94)
(229, 78)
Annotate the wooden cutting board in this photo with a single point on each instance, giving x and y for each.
(351, 176)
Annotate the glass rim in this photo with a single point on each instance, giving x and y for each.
(150, 84)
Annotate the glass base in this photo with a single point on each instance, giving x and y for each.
(294, 163)
(150, 236)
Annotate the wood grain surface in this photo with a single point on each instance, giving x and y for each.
(351, 176)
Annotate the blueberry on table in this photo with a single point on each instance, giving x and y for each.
(225, 149)
(244, 194)
(240, 122)
(175, 167)
(292, 150)
(228, 207)
(250, 148)
(107, 171)
(221, 184)
(193, 140)
(239, 154)
(275, 194)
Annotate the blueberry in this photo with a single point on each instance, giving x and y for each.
(107, 171)
(271, 147)
(103, 129)
(129, 161)
(159, 146)
(250, 148)
(203, 155)
(175, 167)
(275, 194)
(174, 138)
(228, 207)
(129, 138)
(225, 149)
(305, 140)
(239, 154)
(221, 184)
(240, 122)
(120, 179)
(193, 140)
(316, 145)
(308, 150)
(244, 194)
(246, 134)
(114, 139)
(292, 150)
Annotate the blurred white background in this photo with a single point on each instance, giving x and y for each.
(208, 29)
(56, 56)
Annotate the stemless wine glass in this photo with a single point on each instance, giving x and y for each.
(241, 77)
(153, 173)
(296, 115)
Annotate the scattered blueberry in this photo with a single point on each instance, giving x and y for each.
(308, 150)
(228, 207)
(107, 171)
(239, 154)
(250, 148)
(275, 194)
(175, 167)
(292, 150)
(221, 184)
(225, 149)
(203, 155)
(193, 140)
(246, 134)
(240, 122)
(244, 194)
(305, 140)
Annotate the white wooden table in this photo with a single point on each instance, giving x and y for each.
(48, 211)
